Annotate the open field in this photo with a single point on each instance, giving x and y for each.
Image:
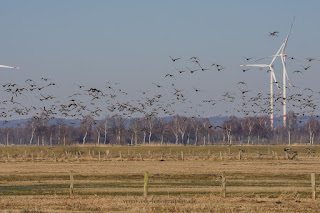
(265, 179)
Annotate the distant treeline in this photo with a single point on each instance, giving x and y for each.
(150, 129)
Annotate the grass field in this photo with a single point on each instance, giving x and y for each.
(265, 179)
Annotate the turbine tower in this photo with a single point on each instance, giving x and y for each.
(280, 53)
(285, 76)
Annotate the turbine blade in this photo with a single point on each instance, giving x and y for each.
(254, 65)
(285, 41)
(4, 66)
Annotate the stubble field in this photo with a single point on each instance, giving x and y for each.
(181, 178)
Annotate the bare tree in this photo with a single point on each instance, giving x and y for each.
(161, 127)
(150, 124)
(174, 125)
(313, 127)
(42, 123)
(247, 125)
(98, 127)
(291, 124)
(182, 126)
(86, 127)
(105, 122)
(59, 126)
(206, 130)
(7, 131)
(32, 125)
(195, 125)
(118, 125)
(135, 124)
(230, 127)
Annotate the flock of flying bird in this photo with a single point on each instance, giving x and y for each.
(162, 100)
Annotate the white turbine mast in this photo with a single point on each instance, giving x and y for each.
(285, 76)
(280, 53)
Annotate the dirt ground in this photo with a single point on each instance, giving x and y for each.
(254, 183)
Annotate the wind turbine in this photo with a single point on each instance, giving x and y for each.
(273, 79)
(280, 53)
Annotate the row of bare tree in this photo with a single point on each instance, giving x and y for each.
(117, 130)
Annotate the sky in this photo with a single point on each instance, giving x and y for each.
(129, 42)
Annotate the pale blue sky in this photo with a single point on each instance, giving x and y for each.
(91, 42)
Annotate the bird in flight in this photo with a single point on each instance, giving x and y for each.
(305, 68)
(174, 59)
(245, 70)
(241, 82)
(192, 71)
(247, 58)
(297, 71)
(310, 59)
(273, 33)
(157, 85)
(181, 71)
(169, 75)
(194, 58)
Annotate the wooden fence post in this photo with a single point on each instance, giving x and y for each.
(54, 157)
(71, 182)
(107, 153)
(239, 155)
(286, 155)
(313, 184)
(224, 191)
(99, 156)
(145, 187)
(120, 156)
(221, 158)
(182, 157)
(161, 158)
